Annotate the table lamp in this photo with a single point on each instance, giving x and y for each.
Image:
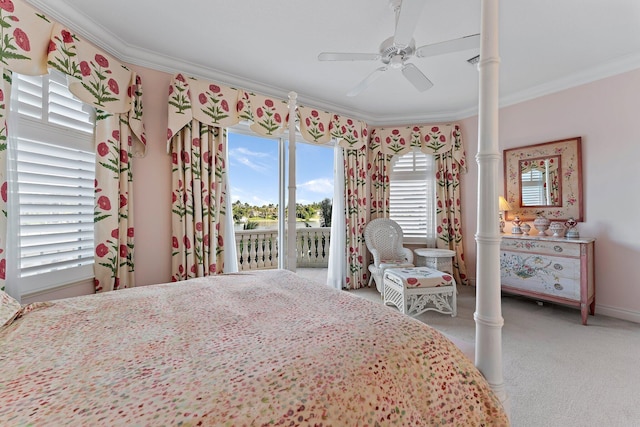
(503, 207)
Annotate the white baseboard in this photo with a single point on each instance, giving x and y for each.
(84, 287)
(618, 313)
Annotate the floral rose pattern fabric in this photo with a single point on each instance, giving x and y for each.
(218, 105)
(319, 127)
(199, 186)
(199, 112)
(270, 117)
(449, 166)
(114, 234)
(379, 167)
(429, 139)
(419, 277)
(5, 88)
(356, 217)
(315, 125)
(26, 34)
(31, 42)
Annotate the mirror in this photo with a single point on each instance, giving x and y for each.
(539, 182)
(544, 179)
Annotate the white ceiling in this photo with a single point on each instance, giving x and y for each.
(271, 47)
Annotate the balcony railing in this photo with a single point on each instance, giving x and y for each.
(258, 249)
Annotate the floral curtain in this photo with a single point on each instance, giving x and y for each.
(318, 126)
(445, 143)
(31, 43)
(198, 201)
(199, 113)
(379, 173)
(5, 90)
(357, 217)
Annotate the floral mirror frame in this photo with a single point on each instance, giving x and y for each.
(570, 180)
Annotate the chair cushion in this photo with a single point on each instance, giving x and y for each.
(394, 263)
(418, 277)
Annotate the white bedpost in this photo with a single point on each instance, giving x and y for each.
(488, 315)
(291, 215)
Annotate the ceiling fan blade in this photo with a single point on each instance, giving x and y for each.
(407, 20)
(337, 56)
(416, 78)
(455, 45)
(367, 81)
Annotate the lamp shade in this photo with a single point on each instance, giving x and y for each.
(503, 205)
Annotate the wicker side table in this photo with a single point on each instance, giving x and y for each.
(438, 259)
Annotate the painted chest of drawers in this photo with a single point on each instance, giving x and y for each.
(553, 269)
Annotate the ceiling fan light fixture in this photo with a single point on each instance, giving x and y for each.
(397, 61)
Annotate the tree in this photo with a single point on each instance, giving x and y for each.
(326, 208)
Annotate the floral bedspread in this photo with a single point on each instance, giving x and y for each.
(248, 349)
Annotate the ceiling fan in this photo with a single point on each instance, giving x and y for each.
(397, 49)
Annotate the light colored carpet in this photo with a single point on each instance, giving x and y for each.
(557, 372)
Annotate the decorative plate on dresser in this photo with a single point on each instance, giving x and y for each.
(554, 269)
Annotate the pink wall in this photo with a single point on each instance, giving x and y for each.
(603, 113)
(152, 185)
(606, 115)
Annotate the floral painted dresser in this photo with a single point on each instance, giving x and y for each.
(554, 269)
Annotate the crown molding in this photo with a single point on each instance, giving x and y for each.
(105, 39)
(617, 66)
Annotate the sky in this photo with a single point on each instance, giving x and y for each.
(253, 171)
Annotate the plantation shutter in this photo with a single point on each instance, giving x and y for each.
(533, 188)
(412, 197)
(54, 170)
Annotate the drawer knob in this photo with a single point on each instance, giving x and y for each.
(558, 286)
(558, 267)
(557, 248)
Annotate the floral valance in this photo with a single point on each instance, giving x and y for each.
(215, 104)
(319, 127)
(430, 139)
(31, 43)
(25, 39)
(218, 105)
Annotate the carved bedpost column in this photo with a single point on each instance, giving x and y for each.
(488, 315)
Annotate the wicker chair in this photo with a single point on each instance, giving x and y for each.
(383, 238)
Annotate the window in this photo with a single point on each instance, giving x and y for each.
(258, 178)
(412, 197)
(51, 179)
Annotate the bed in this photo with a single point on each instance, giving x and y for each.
(246, 349)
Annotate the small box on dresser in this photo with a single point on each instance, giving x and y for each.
(554, 269)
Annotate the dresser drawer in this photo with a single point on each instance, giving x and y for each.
(550, 269)
(550, 275)
(545, 247)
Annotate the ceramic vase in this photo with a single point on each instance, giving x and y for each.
(525, 227)
(557, 228)
(516, 225)
(541, 223)
(572, 231)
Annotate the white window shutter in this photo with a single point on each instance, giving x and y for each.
(54, 169)
(412, 196)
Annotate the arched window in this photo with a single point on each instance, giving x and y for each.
(412, 197)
